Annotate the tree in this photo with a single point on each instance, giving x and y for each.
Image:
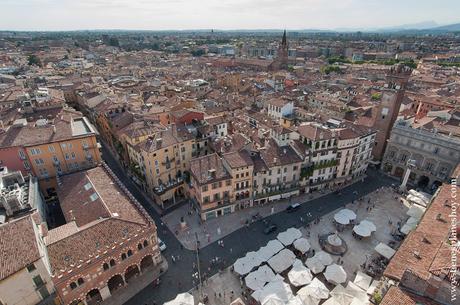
(197, 53)
(33, 60)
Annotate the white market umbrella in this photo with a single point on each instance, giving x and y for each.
(315, 289)
(362, 280)
(253, 259)
(299, 275)
(277, 288)
(307, 299)
(273, 300)
(302, 244)
(242, 266)
(324, 257)
(362, 231)
(341, 296)
(416, 211)
(356, 291)
(282, 261)
(314, 265)
(257, 279)
(349, 213)
(296, 301)
(368, 224)
(335, 274)
(289, 236)
(359, 302)
(341, 218)
(385, 251)
(182, 299)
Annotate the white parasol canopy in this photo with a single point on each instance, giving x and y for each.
(314, 265)
(275, 290)
(182, 299)
(289, 236)
(362, 231)
(296, 301)
(341, 296)
(324, 257)
(359, 302)
(281, 261)
(316, 289)
(242, 266)
(253, 259)
(416, 211)
(362, 280)
(356, 291)
(385, 251)
(257, 279)
(369, 224)
(341, 218)
(335, 274)
(299, 274)
(410, 225)
(302, 244)
(272, 247)
(349, 213)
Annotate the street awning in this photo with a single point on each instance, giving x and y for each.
(385, 250)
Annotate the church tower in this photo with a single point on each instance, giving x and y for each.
(282, 56)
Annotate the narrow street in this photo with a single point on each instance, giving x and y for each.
(178, 278)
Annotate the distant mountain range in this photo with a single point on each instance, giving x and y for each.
(424, 26)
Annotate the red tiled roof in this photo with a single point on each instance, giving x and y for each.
(18, 246)
(396, 296)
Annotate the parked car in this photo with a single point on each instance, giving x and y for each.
(293, 207)
(270, 229)
(162, 245)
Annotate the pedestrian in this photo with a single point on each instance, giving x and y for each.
(231, 250)
(173, 259)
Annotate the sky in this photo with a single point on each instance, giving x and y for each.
(221, 14)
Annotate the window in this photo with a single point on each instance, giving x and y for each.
(206, 199)
(93, 196)
(130, 252)
(31, 267)
(146, 243)
(51, 148)
(64, 146)
(39, 161)
(80, 281)
(73, 285)
(237, 176)
(22, 155)
(26, 165)
(228, 182)
(112, 263)
(67, 157)
(38, 281)
(87, 186)
(105, 266)
(73, 155)
(35, 151)
(123, 256)
(204, 188)
(139, 246)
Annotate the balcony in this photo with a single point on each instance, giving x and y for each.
(164, 187)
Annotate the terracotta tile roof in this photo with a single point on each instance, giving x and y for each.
(92, 194)
(419, 249)
(18, 246)
(88, 242)
(30, 135)
(200, 168)
(396, 296)
(314, 132)
(238, 159)
(274, 155)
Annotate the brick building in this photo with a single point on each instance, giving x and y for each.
(108, 238)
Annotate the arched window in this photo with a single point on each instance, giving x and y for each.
(112, 262)
(130, 253)
(139, 246)
(73, 285)
(105, 266)
(146, 243)
(80, 281)
(123, 256)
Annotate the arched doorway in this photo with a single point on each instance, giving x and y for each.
(93, 297)
(131, 272)
(399, 172)
(146, 263)
(423, 182)
(115, 282)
